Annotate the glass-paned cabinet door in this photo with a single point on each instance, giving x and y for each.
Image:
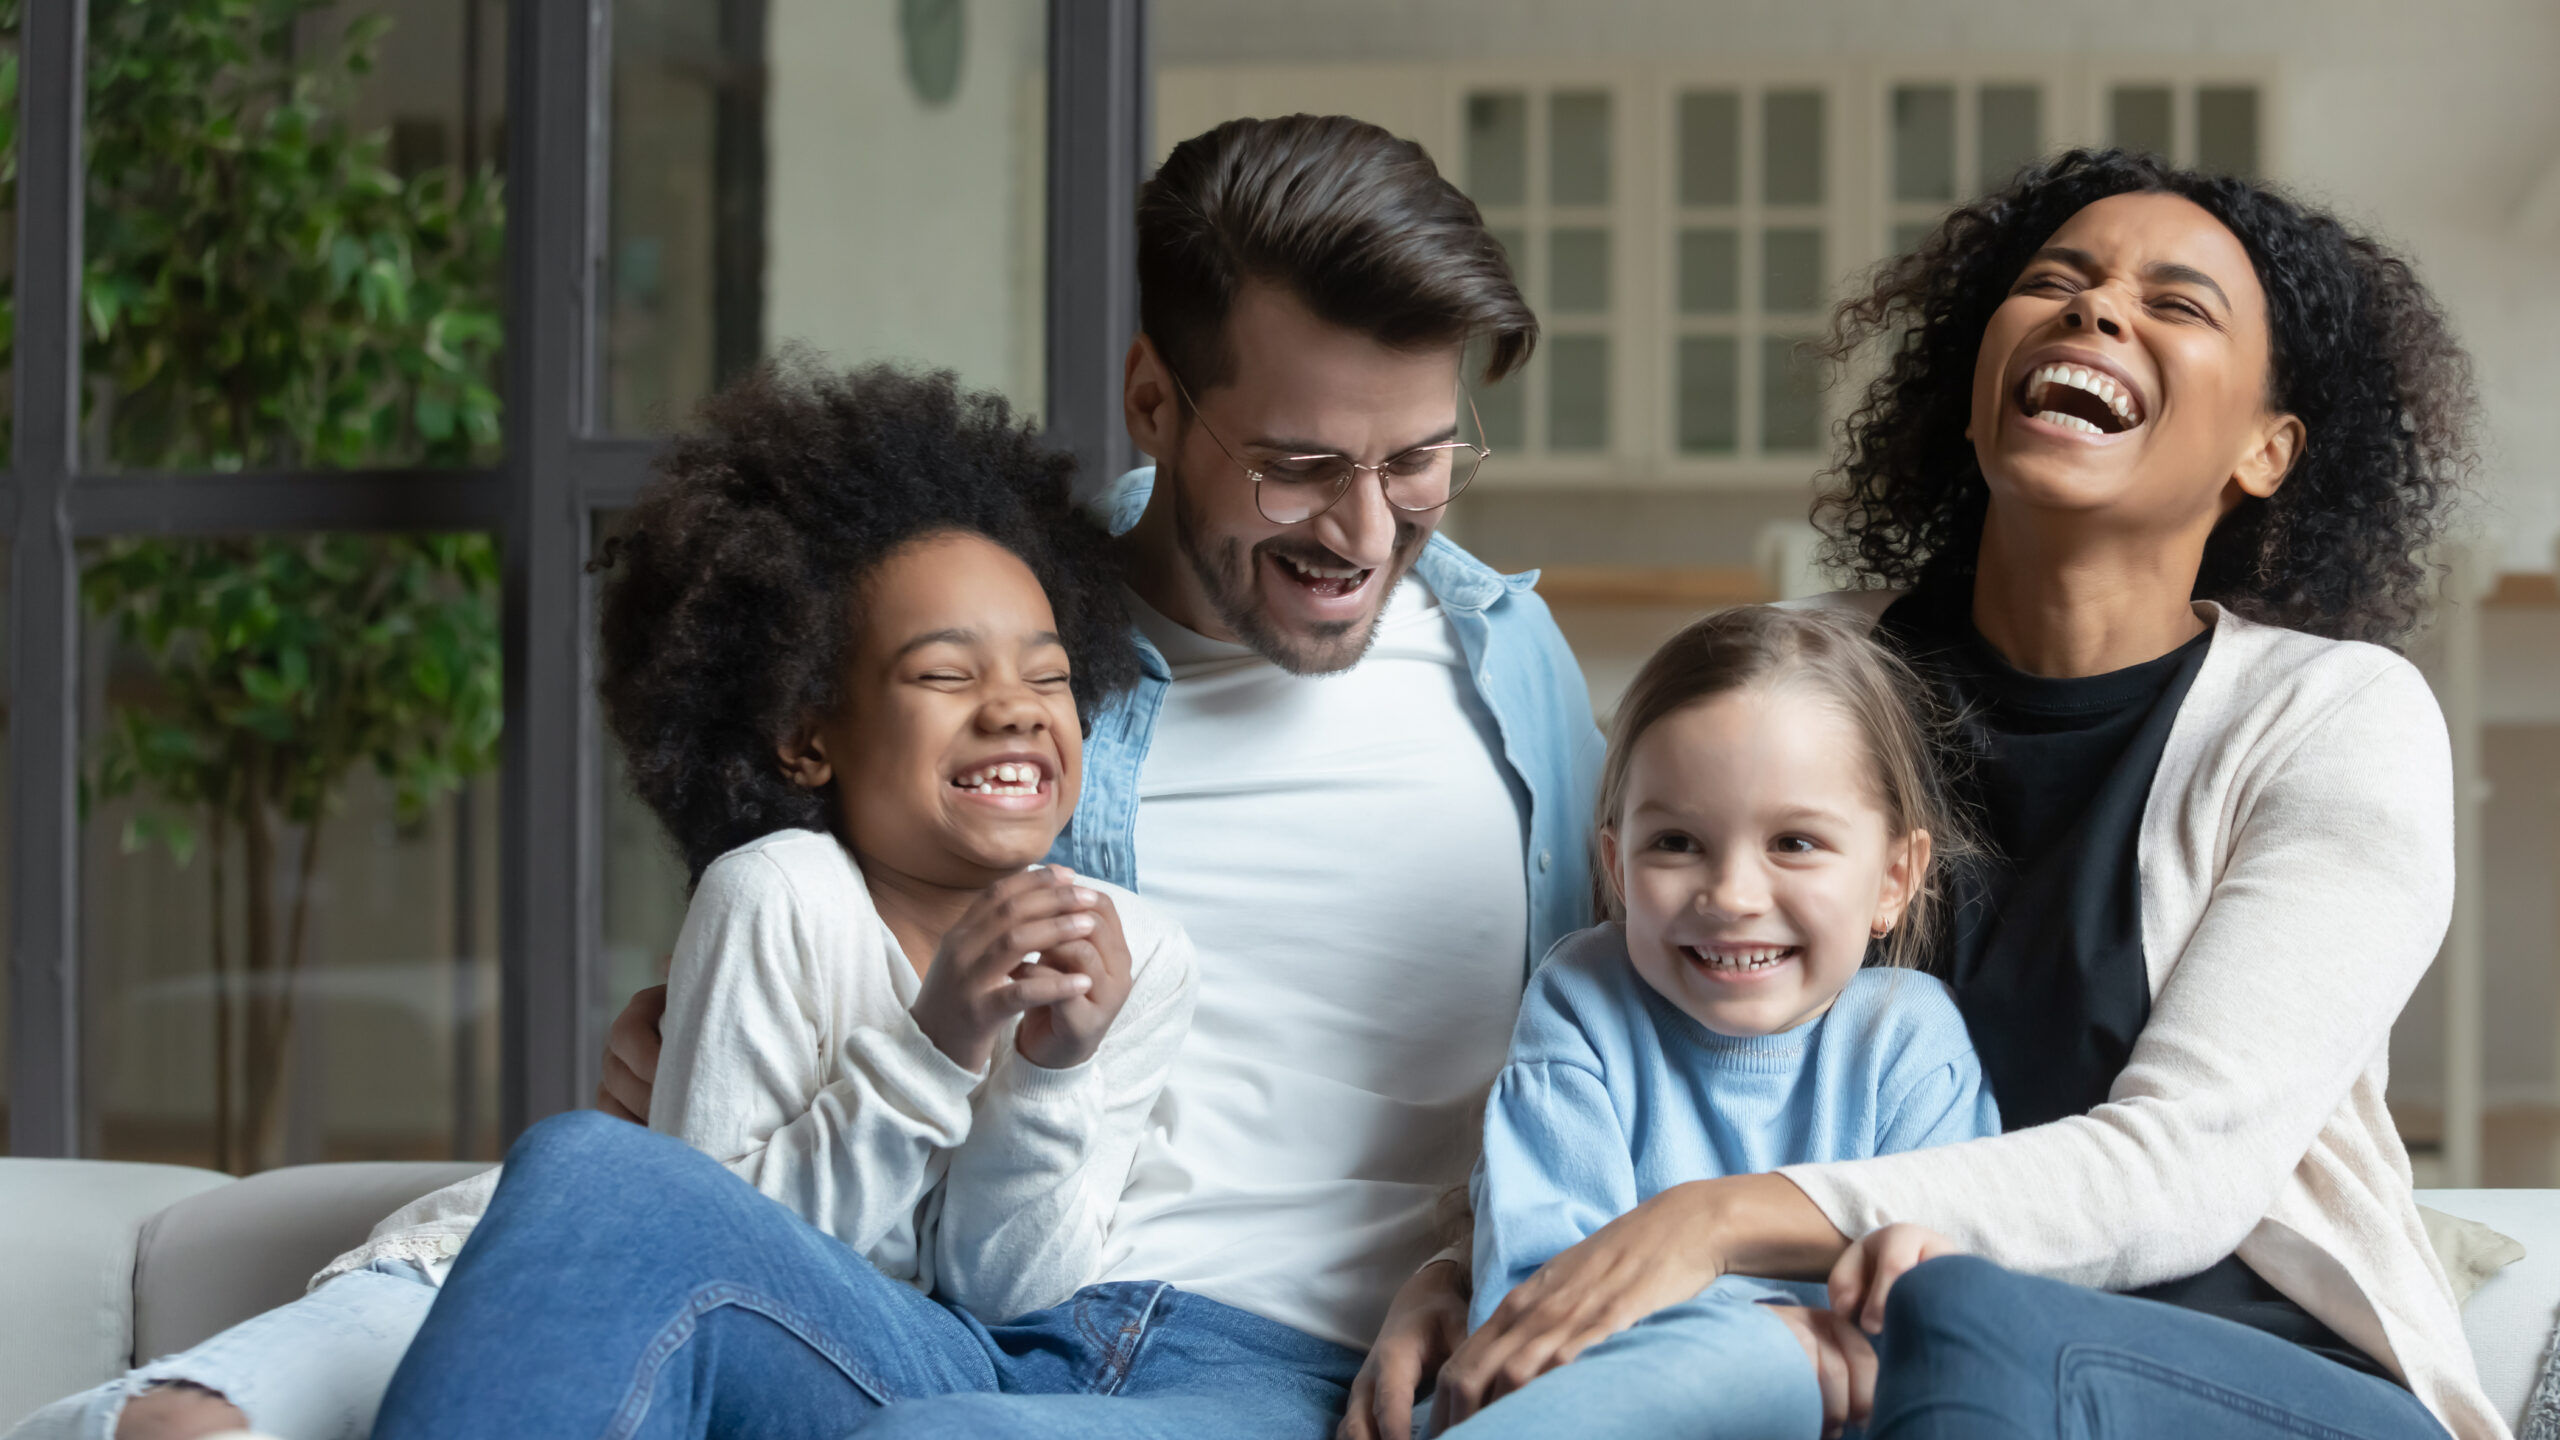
(1752, 245)
(1948, 141)
(1543, 163)
(2214, 125)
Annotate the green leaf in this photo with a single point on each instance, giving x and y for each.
(435, 416)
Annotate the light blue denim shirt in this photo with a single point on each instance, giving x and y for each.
(1523, 671)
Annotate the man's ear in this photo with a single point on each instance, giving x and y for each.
(804, 759)
(2263, 467)
(1903, 875)
(1149, 404)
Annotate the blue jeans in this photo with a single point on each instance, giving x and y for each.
(1972, 1350)
(1720, 1365)
(623, 1285)
(311, 1370)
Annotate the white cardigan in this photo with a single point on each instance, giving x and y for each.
(790, 1057)
(2296, 862)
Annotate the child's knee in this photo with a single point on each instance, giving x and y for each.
(590, 1169)
(585, 1145)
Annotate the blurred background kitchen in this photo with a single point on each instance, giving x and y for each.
(292, 867)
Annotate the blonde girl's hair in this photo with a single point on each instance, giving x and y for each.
(1758, 646)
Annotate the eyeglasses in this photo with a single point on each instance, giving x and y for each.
(1290, 489)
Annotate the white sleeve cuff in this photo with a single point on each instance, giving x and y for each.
(1022, 1076)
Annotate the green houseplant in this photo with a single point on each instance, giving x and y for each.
(263, 293)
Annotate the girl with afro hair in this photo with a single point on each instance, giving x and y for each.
(849, 635)
(2144, 485)
(850, 639)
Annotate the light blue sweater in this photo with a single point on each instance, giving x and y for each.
(1612, 1094)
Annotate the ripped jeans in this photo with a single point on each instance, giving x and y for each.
(311, 1370)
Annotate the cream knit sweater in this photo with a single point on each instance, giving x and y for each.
(2296, 864)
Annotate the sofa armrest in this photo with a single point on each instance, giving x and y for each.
(213, 1260)
(68, 1235)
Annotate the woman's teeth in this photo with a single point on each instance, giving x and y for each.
(1005, 779)
(1739, 960)
(2040, 396)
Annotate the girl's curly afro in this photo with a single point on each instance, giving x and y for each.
(733, 585)
(2360, 354)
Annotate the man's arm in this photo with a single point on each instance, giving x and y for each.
(631, 1057)
(1425, 1324)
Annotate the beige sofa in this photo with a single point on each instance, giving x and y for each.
(102, 1263)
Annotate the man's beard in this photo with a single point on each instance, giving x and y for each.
(1228, 576)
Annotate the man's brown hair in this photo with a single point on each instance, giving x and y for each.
(1354, 222)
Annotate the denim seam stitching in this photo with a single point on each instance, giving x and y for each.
(1118, 1349)
(1133, 1335)
(2076, 1359)
(680, 1330)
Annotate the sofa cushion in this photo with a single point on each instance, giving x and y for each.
(2469, 1251)
(2509, 1318)
(68, 1231)
(211, 1261)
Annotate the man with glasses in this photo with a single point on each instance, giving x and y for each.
(1358, 768)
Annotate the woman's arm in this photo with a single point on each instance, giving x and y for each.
(1028, 1203)
(2330, 907)
(843, 1139)
(2336, 894)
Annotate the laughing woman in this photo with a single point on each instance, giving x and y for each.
(2145, 486)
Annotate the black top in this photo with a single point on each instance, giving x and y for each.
(2045, 951)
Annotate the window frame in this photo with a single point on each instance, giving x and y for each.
(558, 471)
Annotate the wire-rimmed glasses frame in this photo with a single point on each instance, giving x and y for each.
(1286, 499)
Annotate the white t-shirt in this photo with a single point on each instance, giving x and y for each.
(1346, 854)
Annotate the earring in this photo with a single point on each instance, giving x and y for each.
(1880, 932)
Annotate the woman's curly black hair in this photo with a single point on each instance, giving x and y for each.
(732, 585)
(2360, 353)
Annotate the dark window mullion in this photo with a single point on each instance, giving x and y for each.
(44, 734)
(1097, 153)
(231, 503)
(548, 909)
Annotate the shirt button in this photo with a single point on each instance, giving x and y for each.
(1545, 858)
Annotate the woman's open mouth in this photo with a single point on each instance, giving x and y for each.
(1739, 962)
(2078, 398)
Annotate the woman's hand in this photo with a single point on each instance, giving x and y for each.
(987, 970)
(1867, 1270)
(1844, 1364)
(1065, 1034)
(1425, 1323)
(1655, 1255)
